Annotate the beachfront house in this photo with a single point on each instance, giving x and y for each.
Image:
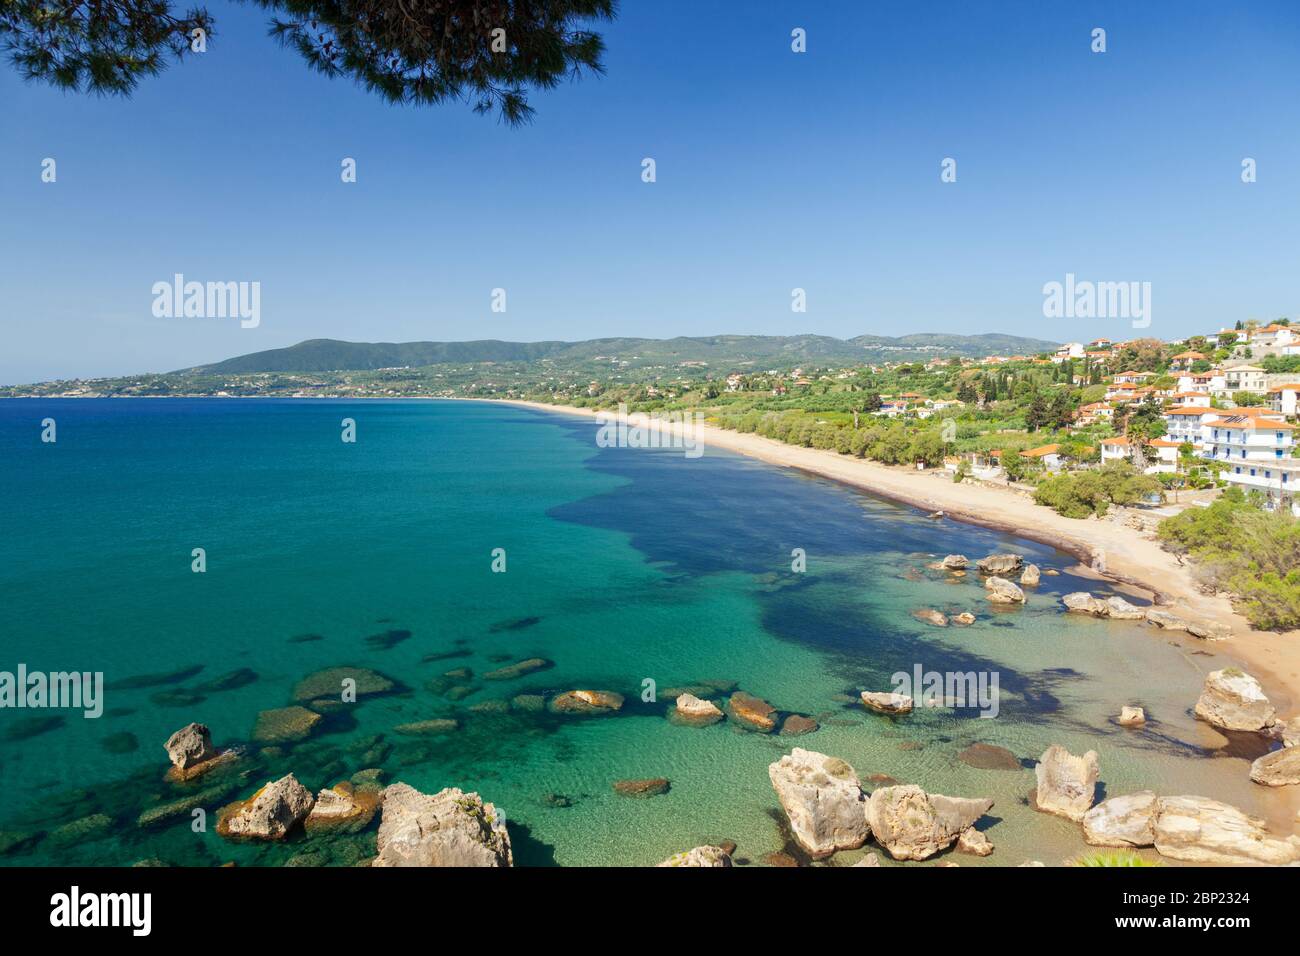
(1049, 455)
(1257, 451)
(1116, 449)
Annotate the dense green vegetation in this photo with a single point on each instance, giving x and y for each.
(1240, 548)
(1087, 493)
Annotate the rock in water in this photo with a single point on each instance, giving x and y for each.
(1002, 591)
(887, 702)
(692, 710)
(1164, 619)
(1121, 610)
(1067, 784)
(964, 619)
(914, 825)
(1000, 563)
(974, 842)
(270, 813)
(1281, 768)
(343, 807)
(586, 702)
(984, 756)
(1233, 700)
(1200, 830)
(1122, 821)
(870, 859)
(190, 745)
(753, 712)
(956, 562)
(1081, 602)
(712, 856)
(652, 787)
(929, 615)
(284, 724)
(449, 828)
(1132, 716)
(511, 671)
(796, 725)
(1030, 576)
(823, 801)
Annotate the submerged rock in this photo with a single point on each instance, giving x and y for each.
(190, 745)
(711, 856)
(1281, 768)
(964, 619)
(1233, 700)
(328, 684)
(449, 828)
(1067, 785)
(752, 712)
(956, 562)
(511, 671)
(871, 859)
(653, 787)
(587, 702)
(1129, 820)
(929, 615)
(427, 728)
(1002, 591)
(1200, 830)
(1000, 563)
(983, 756)
(270, 813)
(914, 825)
(284, 724)
(796, 725)
(823, 801)
(887, 702)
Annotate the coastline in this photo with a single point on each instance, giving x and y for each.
(1103, 549)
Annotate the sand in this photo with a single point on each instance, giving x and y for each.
(1110, 550)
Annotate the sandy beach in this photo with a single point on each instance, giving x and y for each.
(1120, 554)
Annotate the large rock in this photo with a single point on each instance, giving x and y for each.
(955, 562)
(1121, 610)
(331, 684)
(914, 825)
(1030, 576)
(1129, 820)
(1081, 602)
(449, 828)
(1002, 591)
(1067, 784)
(1200, 830)
(1233, 700)
(1000, 563)
(343, 807)
(1281, 768)
(270, 813)
(1209, 630)
(823, 801)
(190, 745)
(887, 702)
(1165, 619)
(712, 856)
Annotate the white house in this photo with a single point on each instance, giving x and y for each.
(1245, 378)
(1257, 451)
(1070, 350)
(1274, 336)
(1284, 399)
(1184, 424)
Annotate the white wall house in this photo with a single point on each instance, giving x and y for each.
(1285, 399)
(1184, 424)
(1207, 383)
(1274, 336)
(1257, 451)
(1245, 378)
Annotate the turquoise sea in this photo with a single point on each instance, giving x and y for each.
(622, 565)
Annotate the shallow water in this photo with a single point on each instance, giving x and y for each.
(623, 565)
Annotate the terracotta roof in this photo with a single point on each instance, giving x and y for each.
(1115, 441)
(1041, 451)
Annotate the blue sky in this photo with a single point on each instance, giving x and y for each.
(775, 171)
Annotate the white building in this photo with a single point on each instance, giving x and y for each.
(1257, 450)
(1184, 424)
(1285, 399)
(1245, 378)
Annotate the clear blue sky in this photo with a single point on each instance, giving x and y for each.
(775, 170)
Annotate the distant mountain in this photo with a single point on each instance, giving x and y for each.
(332, 355)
